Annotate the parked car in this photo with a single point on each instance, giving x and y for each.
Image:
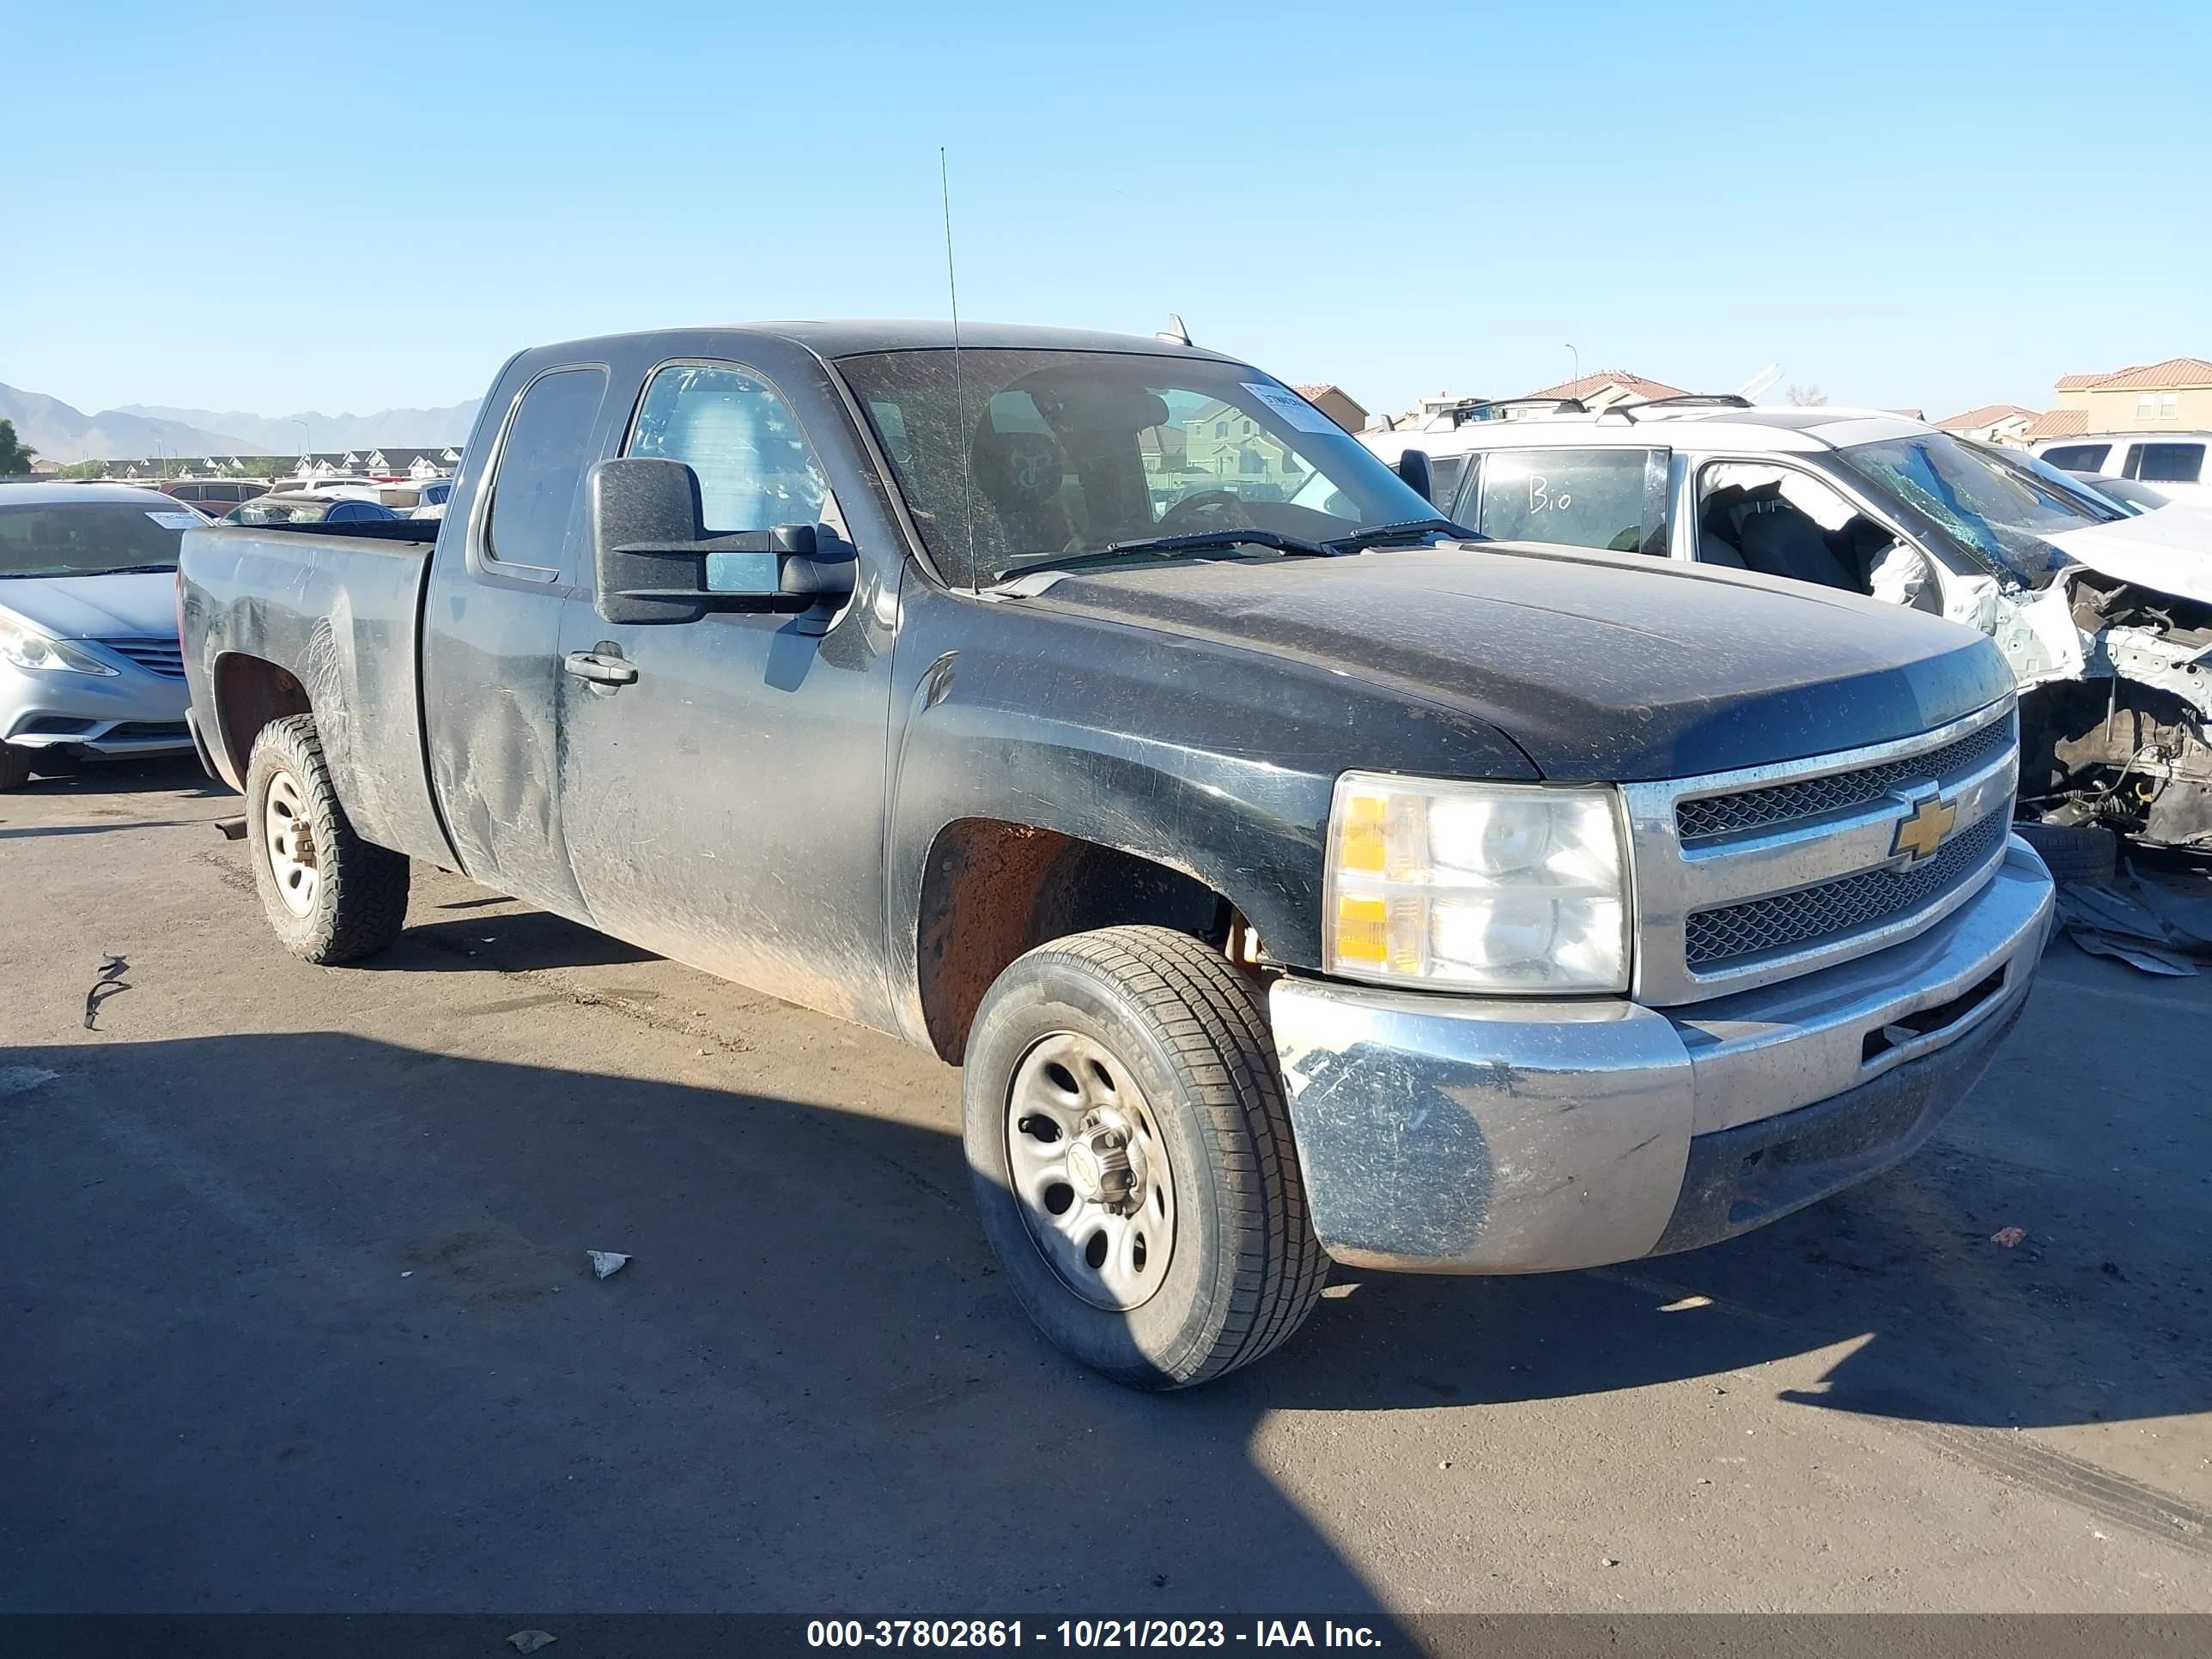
(2076, 592)
(2173, 462)
(88, 656)
(432, 502)
(289, 506)
(1292, 878)
(347, 487)
(212, 497)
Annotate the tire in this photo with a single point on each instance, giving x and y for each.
(1188, 1065)
(14, 767)
(331, 896)
(2074, 852)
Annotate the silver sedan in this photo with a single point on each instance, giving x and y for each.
(89, 661)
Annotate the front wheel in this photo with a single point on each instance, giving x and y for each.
(1133, 1159)
(331, 896)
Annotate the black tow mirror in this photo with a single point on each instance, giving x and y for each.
(653, 561)
(1413, 468)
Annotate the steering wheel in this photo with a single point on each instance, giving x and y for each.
(1190, 506)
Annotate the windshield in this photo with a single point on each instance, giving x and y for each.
(1009, 457)
(1996, 514)
(2106, 505)
(90, 539)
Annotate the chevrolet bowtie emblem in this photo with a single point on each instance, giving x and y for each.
(1919, 836)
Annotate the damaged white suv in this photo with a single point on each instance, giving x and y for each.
(2105, 617)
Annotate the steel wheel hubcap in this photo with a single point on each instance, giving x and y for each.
(291, 845)
(1090, 1170)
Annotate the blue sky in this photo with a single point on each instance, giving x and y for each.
(240, 207)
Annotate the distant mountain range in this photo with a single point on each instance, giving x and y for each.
(135, 431)
(280, 434)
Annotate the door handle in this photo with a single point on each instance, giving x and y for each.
(599, 668)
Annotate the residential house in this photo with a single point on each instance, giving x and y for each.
(1993, 423)
(1606, 388)
(2175, 396)
(1218, 441)
(438, 461)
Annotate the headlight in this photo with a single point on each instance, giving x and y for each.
(28, 647)
(1500, 887)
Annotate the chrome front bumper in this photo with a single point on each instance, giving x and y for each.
(1452, 1134)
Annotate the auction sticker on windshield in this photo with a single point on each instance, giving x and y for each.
(176, 521)
(1292, 407)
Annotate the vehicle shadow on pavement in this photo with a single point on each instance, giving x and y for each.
(272, 1277)
(155, 775)
(520, 941)
(44, 830)
(305, 1322)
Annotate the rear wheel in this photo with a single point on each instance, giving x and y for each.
(331, 896)
(1133, 1159)
(14, 767)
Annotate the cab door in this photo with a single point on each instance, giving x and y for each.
(491, 625)
(722, 781)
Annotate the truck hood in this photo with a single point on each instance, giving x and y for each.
(140, 606)
(1602, 667)
(2168, 549)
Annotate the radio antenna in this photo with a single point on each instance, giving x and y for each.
(959, 386)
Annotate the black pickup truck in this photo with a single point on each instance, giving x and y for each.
(1295, 876)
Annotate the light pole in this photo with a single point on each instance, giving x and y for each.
(304, 437)
(1578, 359)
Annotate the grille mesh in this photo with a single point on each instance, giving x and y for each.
(1850, 905)
(162, 657)
(1806, 798)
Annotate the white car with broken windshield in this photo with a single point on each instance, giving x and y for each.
(2105, 617)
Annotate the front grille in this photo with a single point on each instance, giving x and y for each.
(1852, 904)
(162, 657)
(1713, 815)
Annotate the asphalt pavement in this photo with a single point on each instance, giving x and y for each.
(295, 1314)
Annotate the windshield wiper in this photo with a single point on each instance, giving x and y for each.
(129, 570)
(1197, 542)
(1404, 530)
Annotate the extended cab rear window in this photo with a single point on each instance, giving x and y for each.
(540, 469)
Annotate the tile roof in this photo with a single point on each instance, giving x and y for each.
(1591, 385)
(2156, 377)
(2174, 371)
(2059, 424)
(1987, 415)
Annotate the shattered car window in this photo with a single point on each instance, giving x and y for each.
(1008, 456)
(1997, 516)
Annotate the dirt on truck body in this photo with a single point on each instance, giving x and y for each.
(1294, 875)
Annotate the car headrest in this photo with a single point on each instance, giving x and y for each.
(1014, 467)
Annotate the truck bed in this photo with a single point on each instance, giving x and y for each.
(336, 607)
